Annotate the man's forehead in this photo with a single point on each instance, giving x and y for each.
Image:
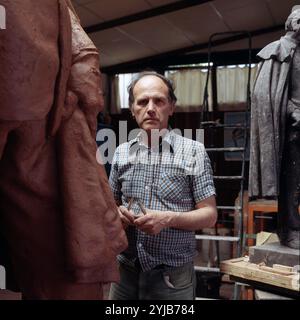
(151, 94)
(151, 81)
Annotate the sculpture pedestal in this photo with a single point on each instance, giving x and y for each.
(274, 253)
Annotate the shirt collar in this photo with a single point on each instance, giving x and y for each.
(168, 138)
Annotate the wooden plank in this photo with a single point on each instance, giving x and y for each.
(278, 271)
(252, 271)
(282, 267)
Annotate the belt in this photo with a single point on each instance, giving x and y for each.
(137, 264)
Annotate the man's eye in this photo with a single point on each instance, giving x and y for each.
(143, 102)
(160, 102)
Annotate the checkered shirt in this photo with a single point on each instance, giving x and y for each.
(173, 177)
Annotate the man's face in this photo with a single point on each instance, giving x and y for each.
(152, 106)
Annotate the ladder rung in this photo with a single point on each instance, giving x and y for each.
(229, 207)
(199, 268)
(235, 127)
(264, 217)
(212, 124)
(233, 149)
(225, 221)
(228, 177)
(215, 237)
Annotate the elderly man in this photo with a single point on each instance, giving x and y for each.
(168, 178)
(275, 130)
(57, 213)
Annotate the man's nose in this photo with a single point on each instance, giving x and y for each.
(151, 106)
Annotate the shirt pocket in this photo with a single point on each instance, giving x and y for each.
(174, 187)
(128, 187)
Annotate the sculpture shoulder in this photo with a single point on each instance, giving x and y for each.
(281, 50)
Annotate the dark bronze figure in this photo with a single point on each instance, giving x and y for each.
(275, 130)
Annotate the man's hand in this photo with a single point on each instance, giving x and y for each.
(153, 221)
(204, 216)
(127, 216)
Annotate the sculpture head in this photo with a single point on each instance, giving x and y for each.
(292, 23)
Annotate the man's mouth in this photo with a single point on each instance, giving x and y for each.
(151, 119)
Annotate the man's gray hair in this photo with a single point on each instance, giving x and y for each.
(166, 81)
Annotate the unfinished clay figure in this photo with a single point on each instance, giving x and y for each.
(57, 213)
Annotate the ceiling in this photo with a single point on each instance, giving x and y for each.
(142, 30)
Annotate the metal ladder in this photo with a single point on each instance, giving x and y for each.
(206, 123)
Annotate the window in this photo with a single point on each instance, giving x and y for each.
(124, 81)
(232, 83)
(189, 88)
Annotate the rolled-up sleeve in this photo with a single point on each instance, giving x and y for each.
(202, 179)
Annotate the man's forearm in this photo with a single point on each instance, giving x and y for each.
(204, 216)
(193, 220)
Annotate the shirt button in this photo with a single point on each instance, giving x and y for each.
(140, 245)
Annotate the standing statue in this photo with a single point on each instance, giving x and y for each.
(275, 130)
(57, 213)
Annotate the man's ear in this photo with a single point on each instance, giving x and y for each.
(133, 116)
(172, 109)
